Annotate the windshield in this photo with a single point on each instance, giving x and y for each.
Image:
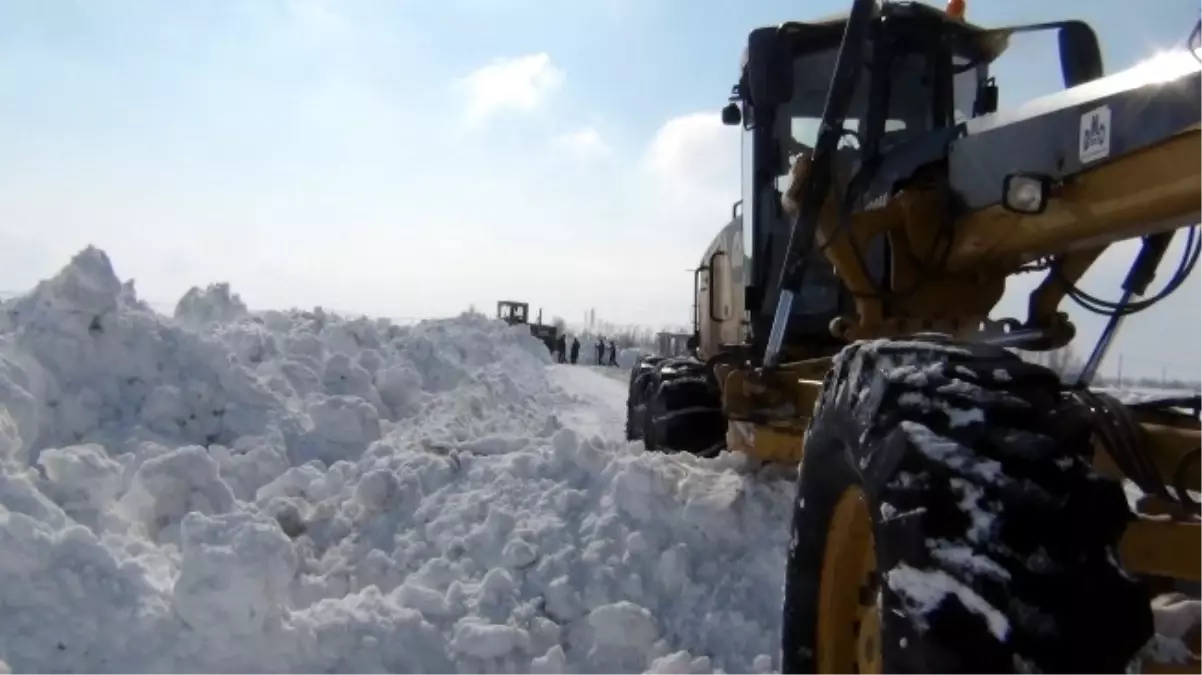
(794, 133)
(964, 88)
(909, 111)
(797, 132)
(797, 126)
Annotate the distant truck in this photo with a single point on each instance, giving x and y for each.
(513, 312)
(674, 344)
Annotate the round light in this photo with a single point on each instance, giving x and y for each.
(1025, 193)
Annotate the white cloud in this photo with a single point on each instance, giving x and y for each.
(695, 149)
(582, 142)
(519, 84)
(693, 162)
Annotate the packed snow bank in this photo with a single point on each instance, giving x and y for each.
(217, 303)
(290, 491)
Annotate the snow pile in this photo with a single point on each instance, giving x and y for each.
(214, 304)
(227, 491)
(291, 491)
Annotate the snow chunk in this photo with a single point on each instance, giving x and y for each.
(924, 590)
(486, 641)
(624, 625)
(234, 573)
(949, 452)
(965, 558)
(215, 304)
(167, 488)
(552, 662)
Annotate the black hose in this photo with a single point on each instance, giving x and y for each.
(1123, 438)
(1180, 480)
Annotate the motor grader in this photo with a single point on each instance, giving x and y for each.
(958, 509)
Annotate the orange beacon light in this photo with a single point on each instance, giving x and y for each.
(955, 9)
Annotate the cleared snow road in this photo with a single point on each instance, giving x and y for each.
(596, 398)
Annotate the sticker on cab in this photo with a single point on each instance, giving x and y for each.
(1095, 135)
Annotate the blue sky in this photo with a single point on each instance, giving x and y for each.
(410, 158)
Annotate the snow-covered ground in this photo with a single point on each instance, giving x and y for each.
(1137, 394)
(294, 492)
(618, 374)
(289, 491)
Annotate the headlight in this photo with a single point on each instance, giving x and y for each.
(1026, 193)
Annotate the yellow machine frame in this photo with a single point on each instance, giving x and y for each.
(1151, 188)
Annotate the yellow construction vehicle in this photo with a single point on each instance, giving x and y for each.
(513, 313)
(958, 508)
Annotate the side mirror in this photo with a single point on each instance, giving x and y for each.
(769, 68)
(987, 98)
(1080, 55)
(732, 115)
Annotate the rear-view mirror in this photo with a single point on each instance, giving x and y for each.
(1080, 55)
(732, 115)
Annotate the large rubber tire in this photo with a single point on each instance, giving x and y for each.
(684, 414)
(642, 381)
(672, 407)
(993, 539)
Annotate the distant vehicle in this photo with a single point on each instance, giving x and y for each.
(674, 344)
(513, 312)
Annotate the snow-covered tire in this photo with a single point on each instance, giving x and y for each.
(991, 540)
(672, 407)
(684, 414)
(642, 381)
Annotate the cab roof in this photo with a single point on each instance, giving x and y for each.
(987, 44)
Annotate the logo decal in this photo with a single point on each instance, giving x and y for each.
(877, 202)
(1094, 139)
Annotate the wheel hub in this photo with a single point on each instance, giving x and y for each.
(849, 635)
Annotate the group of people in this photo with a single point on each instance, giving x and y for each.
(564, 355)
